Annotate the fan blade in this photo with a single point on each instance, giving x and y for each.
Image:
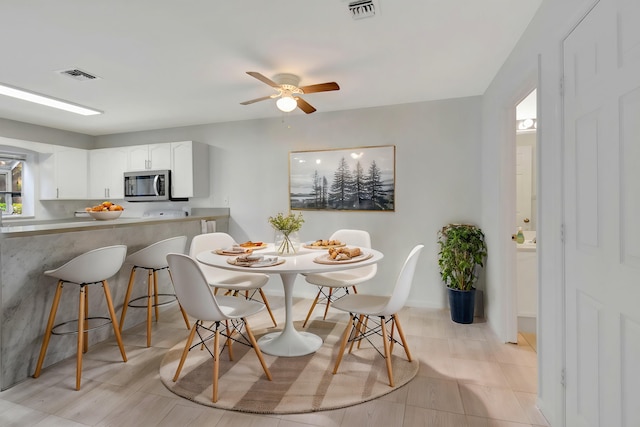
(258, 99)
(304, 105)
(263, 79)
(321, 87)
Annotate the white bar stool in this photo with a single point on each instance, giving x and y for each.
(153, 258)
(92, 267)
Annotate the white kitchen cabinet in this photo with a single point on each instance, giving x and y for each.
(106, 172)
(63, 174)
(149, 157)
(189, 169)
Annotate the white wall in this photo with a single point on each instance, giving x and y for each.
(535, 61)
(437, 177)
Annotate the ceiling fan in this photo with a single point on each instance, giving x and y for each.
(289, 91)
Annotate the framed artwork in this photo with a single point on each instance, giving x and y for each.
(349, 179)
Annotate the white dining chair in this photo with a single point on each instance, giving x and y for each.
(246, 284)
(380, 310)
(334, 285)
(228, 313)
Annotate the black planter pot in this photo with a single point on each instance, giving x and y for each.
(462, 304)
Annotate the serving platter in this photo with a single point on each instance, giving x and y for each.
(326, 259)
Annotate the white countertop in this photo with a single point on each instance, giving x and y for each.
(15, 229)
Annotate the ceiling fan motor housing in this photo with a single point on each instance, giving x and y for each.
(286, 79)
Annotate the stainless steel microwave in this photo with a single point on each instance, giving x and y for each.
(147, 186)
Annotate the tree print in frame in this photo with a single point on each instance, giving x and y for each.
(350, 179)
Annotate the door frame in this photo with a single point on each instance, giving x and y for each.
(528, 84)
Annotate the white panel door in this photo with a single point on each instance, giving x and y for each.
(602, 216)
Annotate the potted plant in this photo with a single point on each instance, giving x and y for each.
(462, 251)
(286, 240)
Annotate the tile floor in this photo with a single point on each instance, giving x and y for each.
(466, 378)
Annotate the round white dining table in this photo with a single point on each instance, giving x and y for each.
(289, 341)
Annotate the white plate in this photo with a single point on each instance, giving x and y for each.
(269, 262)
(326, 259)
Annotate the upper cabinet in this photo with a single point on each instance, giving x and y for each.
(63, 174)
(149, 157)
(106, 172)
(72, 173)
(189, 169)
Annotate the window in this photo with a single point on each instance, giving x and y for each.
(11, 167)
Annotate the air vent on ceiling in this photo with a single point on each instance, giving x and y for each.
(79, 74)
(361, 9)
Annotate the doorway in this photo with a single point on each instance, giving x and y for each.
(526, 219)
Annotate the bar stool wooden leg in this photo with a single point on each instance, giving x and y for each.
(81, 335)
(127, 297)
(114, 319)
(47, 334)
(155, 294)
(85, 340)
(149, 305)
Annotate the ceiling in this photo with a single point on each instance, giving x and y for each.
(168, 63)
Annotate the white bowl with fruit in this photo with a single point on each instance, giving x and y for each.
(105, 211)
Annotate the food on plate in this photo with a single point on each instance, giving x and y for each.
(250, 244)
(343, 254)
(325, 242)
(249, 259)
(104, 207)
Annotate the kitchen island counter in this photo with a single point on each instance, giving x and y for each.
(33, 228)
(26, 294)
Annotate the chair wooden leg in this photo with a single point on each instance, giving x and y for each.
(216, 363)
(185, 351)
(313, 305)
(127, 297)
(402, 338)
(387, 350)
(47, 333)
(266, 303)
(229, 340)
(392, 334)
(360, 329)
(149, 305)
(343, 342)
(114, 319)
(254, 343)
(81, 322)
(184, 313)
(355, 291)
(326, 309)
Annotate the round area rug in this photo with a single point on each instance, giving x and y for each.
(300, 384)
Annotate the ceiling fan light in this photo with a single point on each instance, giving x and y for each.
(286, 104)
